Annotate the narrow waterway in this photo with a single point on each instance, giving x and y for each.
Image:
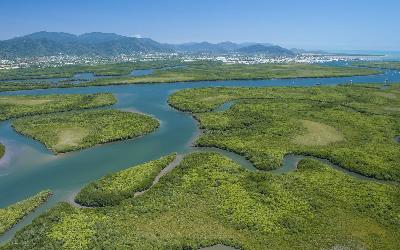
(89, 76)
(28, 167)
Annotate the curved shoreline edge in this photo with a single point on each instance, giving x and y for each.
(114, 140)
(199, 133)
(170, 81)
(283, 167)
(46, 196)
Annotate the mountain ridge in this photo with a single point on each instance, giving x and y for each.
(266, 50)
(45, 43)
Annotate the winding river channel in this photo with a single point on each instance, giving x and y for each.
(28, 167)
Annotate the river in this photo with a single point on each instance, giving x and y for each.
(28, 167)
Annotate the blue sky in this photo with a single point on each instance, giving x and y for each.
(335, 24)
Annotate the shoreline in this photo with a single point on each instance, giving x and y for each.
(169, 81)
(55, 153)
(198, 130)
(193, 143)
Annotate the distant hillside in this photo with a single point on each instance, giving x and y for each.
(99, 37)
(206, 47)
(100, 44)
(109, 44)
(302, 51)
(59, 37)
(266, 50)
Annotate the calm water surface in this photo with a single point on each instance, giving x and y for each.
(28, 167)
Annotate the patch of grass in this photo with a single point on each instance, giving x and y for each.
(12, 214)
(208, 200)
(70, 137)
(114, 188)
(23, 105)
(352, 126)
(64, 132)
(318, 134)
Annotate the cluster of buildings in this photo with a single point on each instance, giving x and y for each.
(47, 61)
(302, 58)
(61, 60)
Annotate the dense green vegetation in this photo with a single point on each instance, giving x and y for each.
(213, 71)
(66, 71)
(379, 64)
(208, 199)
(352, 126)
(14, 86)
(12, 214)
(114, 188)
(23, 105)
(171, 71)
(2, 150)
(68, 131)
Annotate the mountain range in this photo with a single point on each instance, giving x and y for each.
(109, 44)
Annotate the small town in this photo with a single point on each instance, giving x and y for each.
(62, 60)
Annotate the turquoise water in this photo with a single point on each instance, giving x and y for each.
(384, 55)
(28, 167)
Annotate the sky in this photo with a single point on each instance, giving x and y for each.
(309, 24)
